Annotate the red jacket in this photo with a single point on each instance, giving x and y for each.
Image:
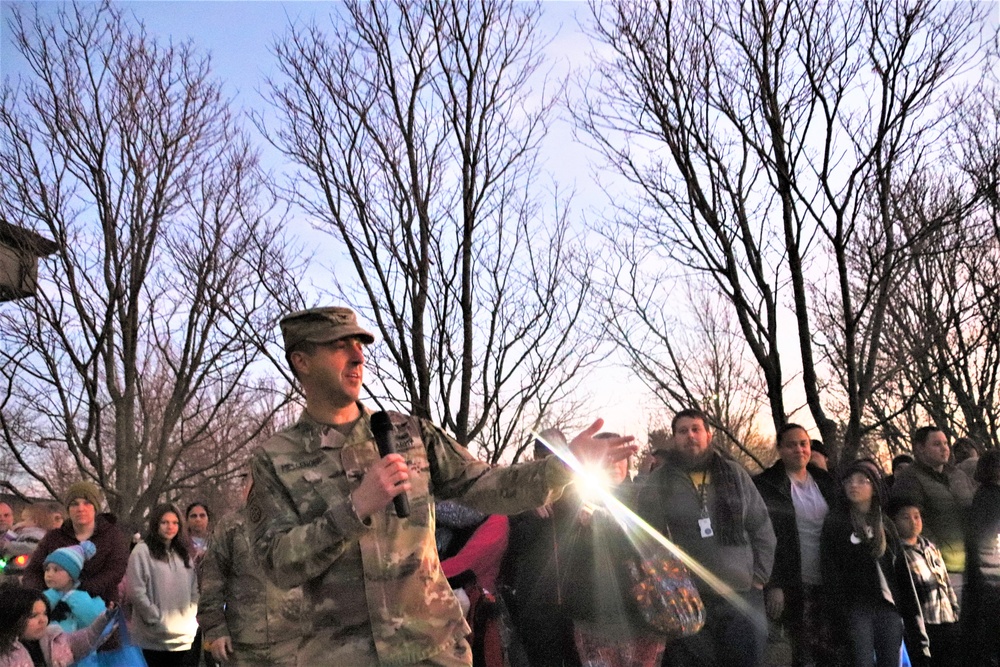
(100, 575)
(482, 553)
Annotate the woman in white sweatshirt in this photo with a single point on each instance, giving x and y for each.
(163, 589)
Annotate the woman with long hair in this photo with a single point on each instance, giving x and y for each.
(163, 589)
(867, 577)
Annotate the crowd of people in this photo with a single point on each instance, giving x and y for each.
(174, 585)
(323, 567)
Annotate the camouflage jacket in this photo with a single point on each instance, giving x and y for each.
(237, 599)
(379, 581)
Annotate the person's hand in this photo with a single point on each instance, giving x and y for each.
(604, 451)
(221, 649)
(544, 512)
(105, 618)
(385, 480)
(646, 463)
(774, 603)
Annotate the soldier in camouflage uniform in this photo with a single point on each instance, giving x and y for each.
(322, 514)
(247, 621)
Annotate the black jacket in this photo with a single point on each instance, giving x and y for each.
(538, 567)
(776, 490)
(851, 576)
(982, 572)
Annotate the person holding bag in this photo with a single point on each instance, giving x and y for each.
(711, 509)
(607, 628)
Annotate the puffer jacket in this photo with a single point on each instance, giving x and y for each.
(60, 648)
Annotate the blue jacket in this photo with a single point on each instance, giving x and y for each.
(84, 609)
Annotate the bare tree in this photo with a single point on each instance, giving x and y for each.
(690, 356)
(139, 359)
(768, 139)
(943, 340)
(416, 128)
(975, 143)
(945, 345)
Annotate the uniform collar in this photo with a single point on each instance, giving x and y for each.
(319, 435)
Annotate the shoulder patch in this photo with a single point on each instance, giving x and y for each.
(254, 512)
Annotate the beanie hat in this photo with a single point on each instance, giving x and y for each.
(869, 469)
(898, 503)
(71, 558)
(87, 491)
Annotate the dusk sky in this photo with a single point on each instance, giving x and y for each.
(239, 35)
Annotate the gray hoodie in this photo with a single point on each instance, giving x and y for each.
(164, 597)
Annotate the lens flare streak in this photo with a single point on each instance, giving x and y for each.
(635, 528)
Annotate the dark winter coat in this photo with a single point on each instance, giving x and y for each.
(943, 498)
(776, 490)
(851, 576)
(538, 567)
(984, 534)
(101, 574)
(981, 600)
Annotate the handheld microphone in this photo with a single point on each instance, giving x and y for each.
(382, 430)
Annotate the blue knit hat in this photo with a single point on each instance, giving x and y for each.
(71, 558)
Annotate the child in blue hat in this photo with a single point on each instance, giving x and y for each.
(72, 609)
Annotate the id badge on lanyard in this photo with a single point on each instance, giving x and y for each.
(705, 522)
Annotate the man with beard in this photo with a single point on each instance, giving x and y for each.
(708, 505)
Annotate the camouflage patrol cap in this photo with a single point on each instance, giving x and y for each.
(322, 325)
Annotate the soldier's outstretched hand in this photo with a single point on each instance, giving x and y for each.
(601, 451)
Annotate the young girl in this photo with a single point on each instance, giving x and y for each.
(867, 577)
(27, 639)
(72, 609)
(163, 588)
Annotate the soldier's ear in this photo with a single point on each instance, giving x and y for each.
(300, 361)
